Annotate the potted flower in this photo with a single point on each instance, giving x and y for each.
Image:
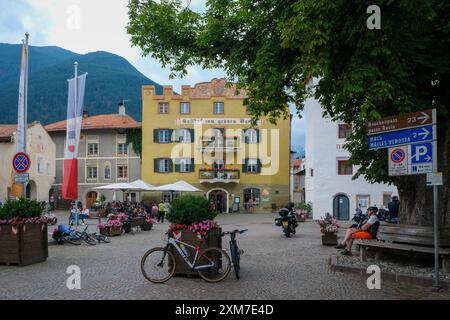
(329, 228)
(302, 211)
(192, 220)
(23, 233)
(148, 224)
(112, 227)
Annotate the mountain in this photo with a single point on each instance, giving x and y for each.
(110, 80)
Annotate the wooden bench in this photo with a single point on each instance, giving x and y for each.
(407, 238)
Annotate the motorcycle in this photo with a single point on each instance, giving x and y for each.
(358, 219)
(288, 221)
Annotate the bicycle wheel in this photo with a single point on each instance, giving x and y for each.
(158, 265)
(87, 238)
(74, 241)
(103, 238)
(236, 258)
(213, 265)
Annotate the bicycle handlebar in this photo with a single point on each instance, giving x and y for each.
(235, 231)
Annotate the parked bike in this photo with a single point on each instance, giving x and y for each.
(63, 234)
(288, 221)
(100, 238)
(158, 264)
(235, 251)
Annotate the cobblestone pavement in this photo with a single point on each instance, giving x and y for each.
(273, 267)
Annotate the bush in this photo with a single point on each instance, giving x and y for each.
(304, 206)
(190, 209)
(23, 208)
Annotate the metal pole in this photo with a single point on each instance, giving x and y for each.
(76, 103)
(436, 237)
(25, 99)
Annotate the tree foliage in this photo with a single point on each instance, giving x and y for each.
(275, 47)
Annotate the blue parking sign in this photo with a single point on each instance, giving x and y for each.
(422, 153)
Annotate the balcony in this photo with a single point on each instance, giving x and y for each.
(219, 176)
(216, 143)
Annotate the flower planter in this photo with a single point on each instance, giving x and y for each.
(329, 239)
(111, 231)
(300, 215)
(146, 227)
(213, 239)
(23, 245)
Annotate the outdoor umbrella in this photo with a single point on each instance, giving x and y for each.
(179, 186)
(119, 186)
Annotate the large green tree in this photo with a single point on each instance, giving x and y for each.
(274, 47)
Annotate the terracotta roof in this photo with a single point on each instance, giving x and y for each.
(7, 130)
(103, 121)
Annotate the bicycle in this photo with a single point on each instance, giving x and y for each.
(234, 250)
(63, 234)
(89, 239)
(212, 264)
(100, 238)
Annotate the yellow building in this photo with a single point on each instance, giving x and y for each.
(204, 136)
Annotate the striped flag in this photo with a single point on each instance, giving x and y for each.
(74, 118)
(21, 114)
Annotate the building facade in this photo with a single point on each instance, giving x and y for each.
(328, 174)
(41, 150)
(298, 174)
(204, 137)
(104, 157)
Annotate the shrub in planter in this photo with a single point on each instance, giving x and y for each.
(23, 233)
(303, 210)
(329, 228)
(111, 228)
(190, 217)
(190, 209)
(148, 224)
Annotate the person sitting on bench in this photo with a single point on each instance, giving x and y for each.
(367, 231)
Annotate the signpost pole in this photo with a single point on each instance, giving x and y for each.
(25, 127)
(435, 208)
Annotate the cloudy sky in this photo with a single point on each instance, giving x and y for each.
(100, 25)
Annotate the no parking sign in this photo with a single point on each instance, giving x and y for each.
(21, 162)
(398, 161)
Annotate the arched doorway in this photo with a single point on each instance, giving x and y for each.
(30, 190)
(220, 199)
(91, 197)
(341, 207)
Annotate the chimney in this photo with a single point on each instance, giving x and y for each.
(85, 114)
(121, 109)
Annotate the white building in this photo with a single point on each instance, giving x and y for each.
(328, 176)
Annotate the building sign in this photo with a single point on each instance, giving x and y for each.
(215, 121)
(399, 122)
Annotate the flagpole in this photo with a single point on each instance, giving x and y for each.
(27, 36)
(76, 98)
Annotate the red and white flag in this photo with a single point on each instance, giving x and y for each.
(74, 118)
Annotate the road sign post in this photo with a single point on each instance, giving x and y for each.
(412, 142)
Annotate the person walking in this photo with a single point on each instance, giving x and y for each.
(154, 210)
(161, 211)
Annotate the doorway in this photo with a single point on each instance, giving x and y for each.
(341, 207)
(91, 197)
(30, 190)
(220, 199)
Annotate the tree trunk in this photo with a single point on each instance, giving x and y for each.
(416, 199)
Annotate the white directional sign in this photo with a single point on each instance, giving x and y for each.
(411, 159)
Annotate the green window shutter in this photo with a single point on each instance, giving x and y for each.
(258, 166)
(155, 165)
(192, 132)
(156, 135)
(171, 138)
(244, 136)
(258, 133)
(244, 165)
(177, 167)
(192, 165)
(170, 165)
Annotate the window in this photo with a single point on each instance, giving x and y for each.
(185, 108)
(218, 108)
(251, 193)
(251, 136)
(217, 132)
(386, 199)
(122, 172)
(122, 149)
(92, 149)
(163, 107)
(107, 172)
(182, 135)
(185, 165)
(92, 172)
(48, 168)
(164, 136)
(39, 165)
(344, 131)
(344, 167)
(163, 165)
(219, 164)
(252, 166)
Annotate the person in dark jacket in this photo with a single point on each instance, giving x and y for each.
(393, 207)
